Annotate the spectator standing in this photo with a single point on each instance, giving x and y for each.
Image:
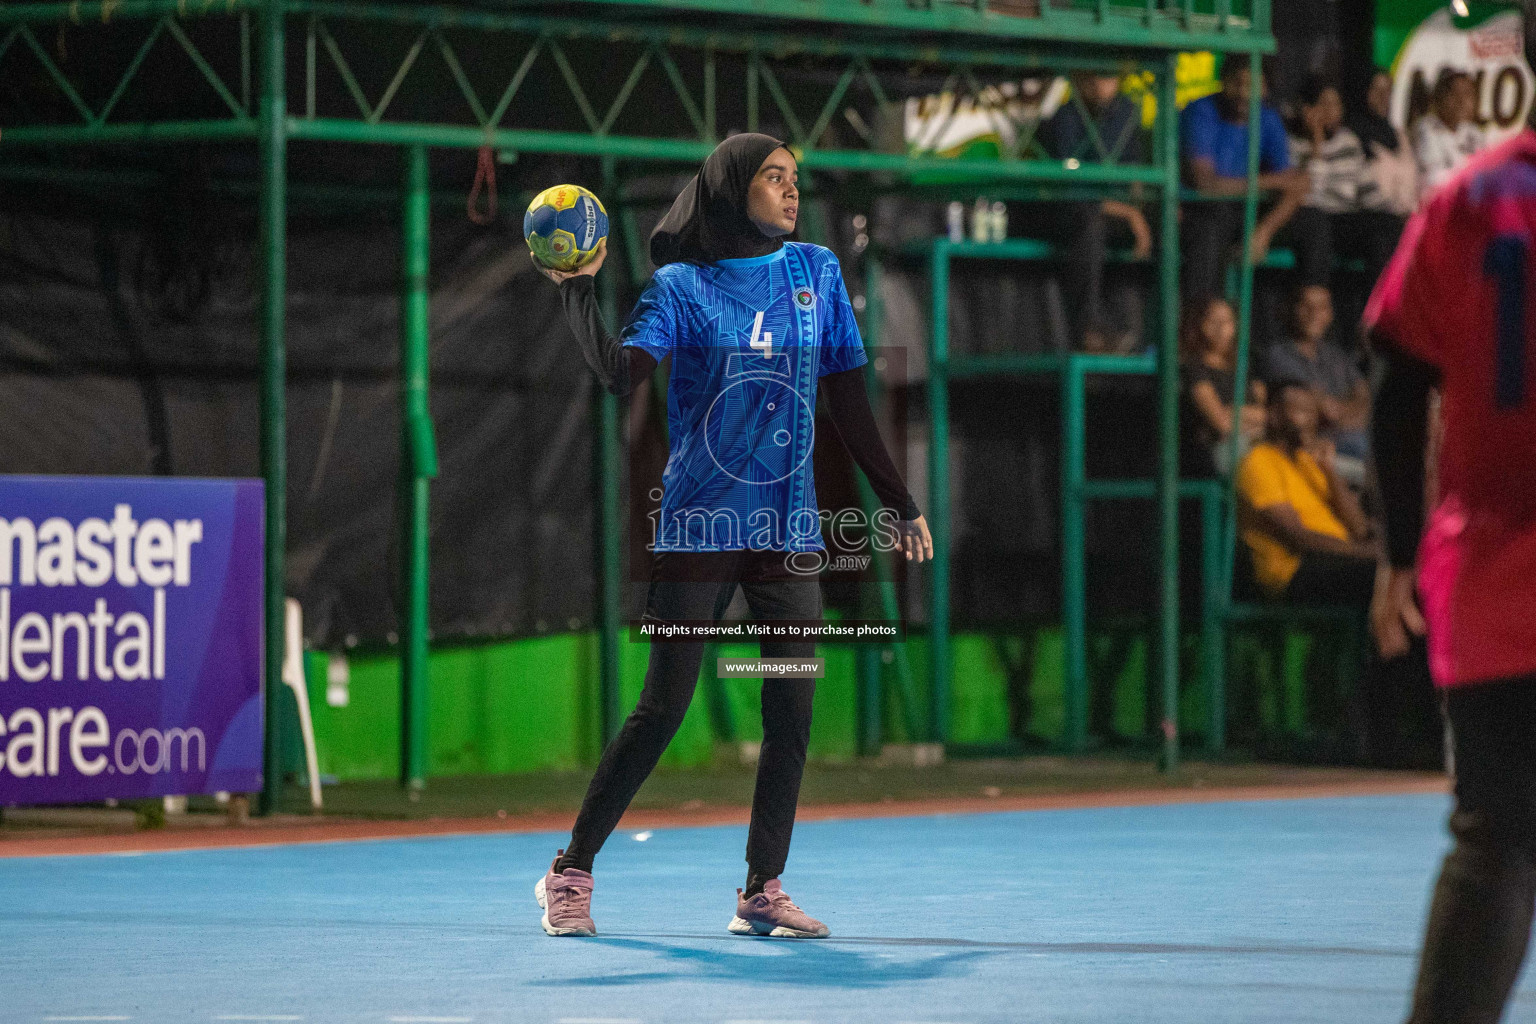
(1334, 160)
(1446, 137)
(1391, 180)
(1340, 391)
(1302, 525)
(1086, 229)
(1207, 367)
(1215, 133)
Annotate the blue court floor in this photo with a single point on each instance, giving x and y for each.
(1289, 911)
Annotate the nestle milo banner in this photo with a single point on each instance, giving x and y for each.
(130, 637)
(1417, 39)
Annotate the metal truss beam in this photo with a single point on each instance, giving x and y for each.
(846, 68)
(1180, 25)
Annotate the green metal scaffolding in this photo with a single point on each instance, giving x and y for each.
(865, 50)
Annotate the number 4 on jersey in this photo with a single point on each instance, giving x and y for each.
(765, 346)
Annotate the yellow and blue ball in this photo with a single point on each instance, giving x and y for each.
(564, 225)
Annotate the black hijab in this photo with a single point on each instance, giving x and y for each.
(708, 221)
(1372, 127)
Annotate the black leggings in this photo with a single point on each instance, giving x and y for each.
(698, 586)
(1480, 917)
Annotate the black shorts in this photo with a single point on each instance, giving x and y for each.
(697, 586)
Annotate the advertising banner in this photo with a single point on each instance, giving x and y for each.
(1486, 40)
(130, 637)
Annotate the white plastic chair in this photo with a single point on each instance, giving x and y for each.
(293, 676)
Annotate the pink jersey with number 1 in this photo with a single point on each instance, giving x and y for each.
(1460, 294)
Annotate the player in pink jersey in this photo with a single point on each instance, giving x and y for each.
(1456, 310)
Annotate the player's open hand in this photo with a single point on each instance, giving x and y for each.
(587, 270)
(1395, 615)
(916, 541)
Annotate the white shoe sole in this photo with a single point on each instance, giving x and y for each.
(742, 927)
(549, 929)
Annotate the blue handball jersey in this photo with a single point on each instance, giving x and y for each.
(748, 339)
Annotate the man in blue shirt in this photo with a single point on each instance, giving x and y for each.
(1215, 131)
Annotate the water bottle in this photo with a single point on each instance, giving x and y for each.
(981, 221)
(955, 215)
(999, 221)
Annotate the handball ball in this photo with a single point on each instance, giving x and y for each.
(563, 226)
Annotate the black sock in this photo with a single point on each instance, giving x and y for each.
(756, 880)
(572, 859)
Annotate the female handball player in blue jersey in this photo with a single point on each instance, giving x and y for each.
(754, 325)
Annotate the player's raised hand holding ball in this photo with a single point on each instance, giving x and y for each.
(566, 229)
(585, 270)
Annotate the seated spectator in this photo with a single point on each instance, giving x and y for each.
(1309, 540)
(1216, 159)
(1207, 359)
(1327, 151)
(1334, 160)
(1342, 394)
(1447, 137)
(1391, 180)
(1086, 229)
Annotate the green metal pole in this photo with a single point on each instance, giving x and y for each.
(868, 712)
(610, 523)
(938, 495)
(1213, 638)
(1074, 572)
(272, 241)
(1244, 339)
(138, 133)
(629, 147)
(1168, 420)
(418, 464)
(1226, 540)
(894, 654)
(867, 658)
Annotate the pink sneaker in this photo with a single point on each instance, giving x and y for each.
(566, 899)
(772, 912)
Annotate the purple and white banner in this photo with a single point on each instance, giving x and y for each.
(130, 637)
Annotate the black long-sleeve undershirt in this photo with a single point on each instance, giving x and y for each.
(1399, 433)
(621, 368)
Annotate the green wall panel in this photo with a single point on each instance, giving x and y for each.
(531, 705)
(978, 690)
